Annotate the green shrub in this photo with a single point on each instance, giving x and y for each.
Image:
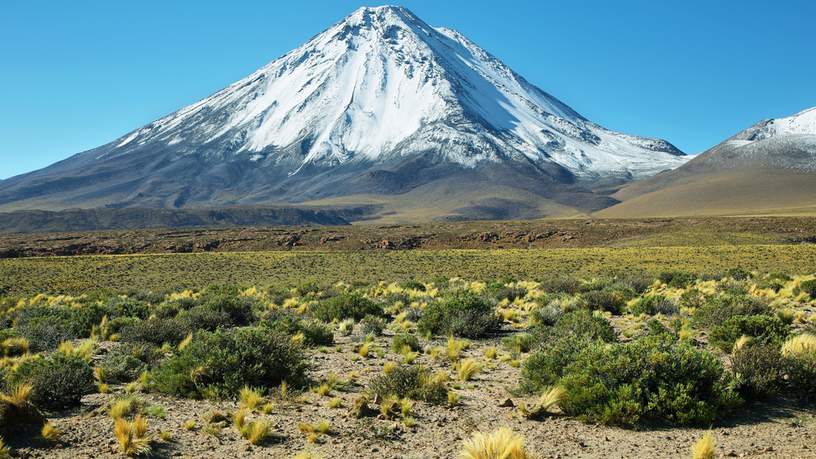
(463, 314)
(654, 304)
(518, 342)
(346, 306)
(405, 339)
(568, 285)
(809, 287)
(546, 315)
(413, 285)
(413, 381)
(117, 306)
(46, 326)
(127, 361)
(605, 300)
(677, 279)
(758, 370)
(315, 333)
(546, 366)
(718, 309)
(580, 324)
(220, 363)
(58, 381)
(372, 325)
(239, 309)
(654, 378)
(204, 318)
(503, 292)
(155, 331)
(763, 328)
(801, 373)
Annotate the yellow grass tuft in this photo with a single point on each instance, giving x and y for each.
(500, 444)
(124, 407)
(705, 448)
(250, 398)
(490, 352)
(50, 432)
(364, 349)
(18, 396)
(800, 347)
(239, 418)
(454, 348)
(185, 342)
(551, 398)
(189, 424)
(257, 431)
(132, 436)
(467, 369)
(336, 402)
(741, 342)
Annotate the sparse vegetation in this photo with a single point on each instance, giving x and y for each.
(629, 352)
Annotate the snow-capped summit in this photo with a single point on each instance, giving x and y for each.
(802, 123)
(380, 102)
(382, 82)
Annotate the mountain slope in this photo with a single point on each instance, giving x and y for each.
(380, 103)
(767, 168)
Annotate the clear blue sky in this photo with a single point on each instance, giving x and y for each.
(77, 74)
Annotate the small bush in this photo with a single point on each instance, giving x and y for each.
(809, 287)
(579, 324)
(605, 300)
(463, 314)
(546, 366)
(719, 309)
(763, 328)
(314, 333)
(127, 361)
(546, 315)
(405, 339)
(240, 310)
(346, 306)
(758, 370)
(154, 331)
(799, 355)
(372, 325)
(58, 381)
(219, 364)
(677, 279)
(413, 382)
(652, 378)
(46, 327)
(654, 304)
(204, 318)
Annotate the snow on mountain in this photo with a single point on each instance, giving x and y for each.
(382, 84)
(802, 123)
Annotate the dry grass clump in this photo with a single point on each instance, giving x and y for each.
(124, 407)
(50, 432)
(800, 347)
(467, 369)
(705, 447)
(549, 401)
(257, 432)
(132, 436)
(18, 396)
(250, 398)
(500, 444)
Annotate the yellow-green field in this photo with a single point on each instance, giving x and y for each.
(172, 271)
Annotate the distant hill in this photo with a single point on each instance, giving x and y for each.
(131, 218)
(769, 168)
